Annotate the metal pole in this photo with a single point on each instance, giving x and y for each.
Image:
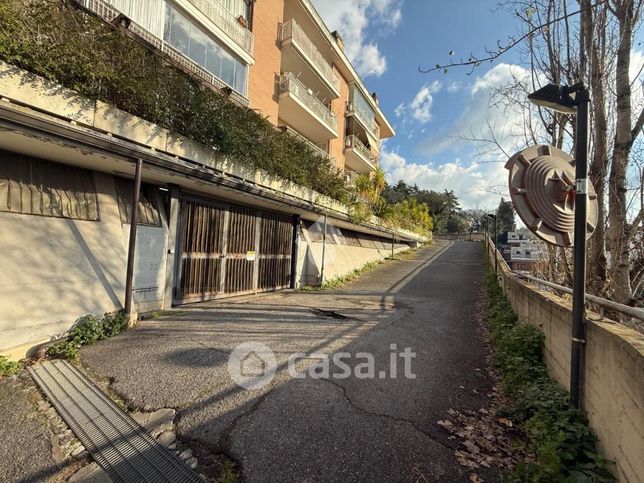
(393, 243)
(131, 247)
(323, 251)
(579, 284)
(295, 249)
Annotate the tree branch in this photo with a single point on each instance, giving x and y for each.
(492, 55)
(639, 124)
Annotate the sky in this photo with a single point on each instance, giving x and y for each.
(387, 41)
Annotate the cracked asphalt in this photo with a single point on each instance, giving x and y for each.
(321, 429)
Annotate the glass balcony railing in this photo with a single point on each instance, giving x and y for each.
(227, 21)
(293, 32)
(290, 84)
(365, 117)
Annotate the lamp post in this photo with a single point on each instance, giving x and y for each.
(575, 99)
(496, 259)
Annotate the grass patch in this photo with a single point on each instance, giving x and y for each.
(86, 331)
(7, 367)
(228, 472)
(340, 281)
(557, 434)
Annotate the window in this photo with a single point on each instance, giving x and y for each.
(148, 213)
(190, 40)
(34, 186)
(239, 8)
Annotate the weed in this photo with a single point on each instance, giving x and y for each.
(338, 282)
(228, 473)
(86, 331)
(7, 367)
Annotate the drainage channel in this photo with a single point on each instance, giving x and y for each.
(116, 442)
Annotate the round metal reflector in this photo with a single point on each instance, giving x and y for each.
(542, 187)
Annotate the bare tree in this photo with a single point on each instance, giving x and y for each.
(564, 42)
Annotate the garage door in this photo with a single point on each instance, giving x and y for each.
(231, 250)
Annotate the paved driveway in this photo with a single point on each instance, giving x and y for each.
(321, 429)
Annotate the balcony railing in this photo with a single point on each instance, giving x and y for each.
(292, 31)
(363, 116)
(310, 143)
(353, 142)
(227, 22)
(290, 84)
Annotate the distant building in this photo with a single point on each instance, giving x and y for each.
(521, 250)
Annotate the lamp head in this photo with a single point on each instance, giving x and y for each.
(554, 97)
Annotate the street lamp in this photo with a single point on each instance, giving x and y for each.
(574, 99)
(496, 260)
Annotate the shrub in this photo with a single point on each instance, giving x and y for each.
(7, 367)
(558, 434)
(63, 350)
(86, 331)
(57, 41)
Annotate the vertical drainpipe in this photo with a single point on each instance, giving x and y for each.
(295, 249)
(131, 247)
(323, 250)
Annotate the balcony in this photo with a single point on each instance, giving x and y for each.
(358, 157)
(154, 37)
(227, 22)
(306, 56)
(364, 117)
(301, 109)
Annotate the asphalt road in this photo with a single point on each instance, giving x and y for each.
(321, 428)
(25, 437)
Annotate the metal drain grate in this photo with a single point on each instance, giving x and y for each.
(116, 442)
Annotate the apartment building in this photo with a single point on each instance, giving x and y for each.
(277, 57)
(207, 226)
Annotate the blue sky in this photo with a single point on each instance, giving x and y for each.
(387, 40)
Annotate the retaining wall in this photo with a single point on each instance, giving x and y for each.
(614, 369)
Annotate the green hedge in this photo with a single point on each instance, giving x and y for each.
(564, 446)
(57, 41)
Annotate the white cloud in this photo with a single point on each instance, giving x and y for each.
(482, 119)
(481, 179)
(352, 18)
(471, 182)
(420, 108)
(454, 87)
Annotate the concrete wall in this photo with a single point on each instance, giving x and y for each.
(614, 370)
(339, 259)
(55, 270)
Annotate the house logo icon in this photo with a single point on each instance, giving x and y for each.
(252, 365)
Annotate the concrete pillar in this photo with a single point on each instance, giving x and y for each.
(173, 254)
